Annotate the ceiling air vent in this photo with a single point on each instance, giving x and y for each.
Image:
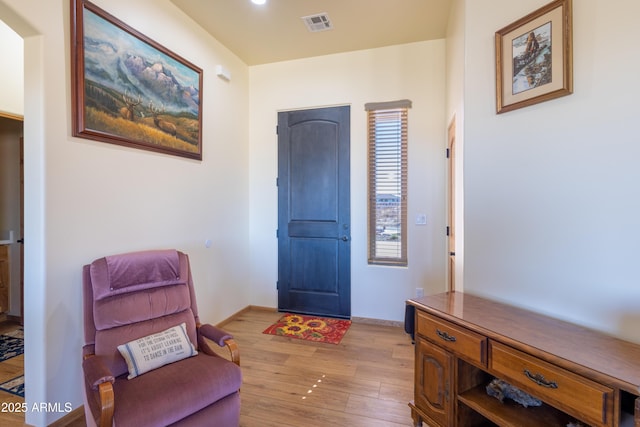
(318, 22)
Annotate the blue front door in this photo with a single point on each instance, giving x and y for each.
(314, 220)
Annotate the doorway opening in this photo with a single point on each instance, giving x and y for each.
(12, 215)
(451, 194)
(11, 261)
(11, 219)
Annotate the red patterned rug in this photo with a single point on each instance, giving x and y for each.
(311, 328)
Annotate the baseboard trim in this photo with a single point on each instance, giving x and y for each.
(15, 319)
(72, 417)
(244, 310)
(379, 322)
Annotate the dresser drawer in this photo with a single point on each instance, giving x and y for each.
(576, 395)
(461, 341)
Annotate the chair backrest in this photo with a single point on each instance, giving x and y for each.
(132, 295)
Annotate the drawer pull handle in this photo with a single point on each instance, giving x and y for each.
(540, 380)
(445, 336)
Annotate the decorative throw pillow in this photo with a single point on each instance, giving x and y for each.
(153, 351)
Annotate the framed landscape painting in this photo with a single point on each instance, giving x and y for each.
(129, 90)
(534, 58)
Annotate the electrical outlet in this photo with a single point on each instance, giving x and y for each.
(419, 292)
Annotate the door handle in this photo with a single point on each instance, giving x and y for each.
(345, 238)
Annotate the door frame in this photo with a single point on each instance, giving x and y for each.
(451, 215)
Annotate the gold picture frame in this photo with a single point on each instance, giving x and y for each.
(129, 90)
(534, 57)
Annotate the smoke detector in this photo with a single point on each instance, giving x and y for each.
(318, 22)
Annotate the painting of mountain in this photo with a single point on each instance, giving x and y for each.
(134, 91)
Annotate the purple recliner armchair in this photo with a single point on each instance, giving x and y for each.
(130, 298)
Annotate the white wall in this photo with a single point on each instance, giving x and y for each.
(86, 199)
(412, 71)
(551, 191)
(11, 70)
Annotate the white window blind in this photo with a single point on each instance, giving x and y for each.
(387, 182)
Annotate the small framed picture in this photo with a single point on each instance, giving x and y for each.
(534, 58)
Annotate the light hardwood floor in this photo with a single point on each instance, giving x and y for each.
(10, 369)
(366, 380)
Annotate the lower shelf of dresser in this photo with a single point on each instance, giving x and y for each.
(511, 414)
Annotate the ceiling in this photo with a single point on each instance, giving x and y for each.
(272, 32)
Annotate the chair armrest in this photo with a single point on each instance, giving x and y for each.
(215, 334)
(220, 337)
(101, 380)
(96, 372)
(107, 404)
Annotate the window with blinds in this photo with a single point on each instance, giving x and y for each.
(387, 182)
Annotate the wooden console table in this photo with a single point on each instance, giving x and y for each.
(463, 342)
